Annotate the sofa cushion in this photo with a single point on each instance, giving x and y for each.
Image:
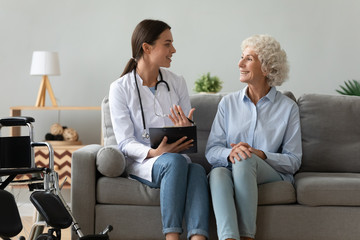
(205, 109)
(126, 191)
(110, 161)
(330, 133)
(281, 192)
(107, 128)
(205, 105)
(199, 156)
(328, 189)
(289, 95)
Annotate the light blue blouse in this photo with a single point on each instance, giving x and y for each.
(272, 125)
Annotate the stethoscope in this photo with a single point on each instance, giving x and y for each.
(145, 134)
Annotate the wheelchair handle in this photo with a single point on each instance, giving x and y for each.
(51, 152)
(16, 121)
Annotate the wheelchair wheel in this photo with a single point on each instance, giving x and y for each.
(50, 235)
(47, 237)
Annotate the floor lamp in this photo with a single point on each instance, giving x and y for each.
(45, 64)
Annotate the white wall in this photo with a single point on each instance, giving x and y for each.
(321, 38)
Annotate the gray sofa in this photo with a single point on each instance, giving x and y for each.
(323, 204)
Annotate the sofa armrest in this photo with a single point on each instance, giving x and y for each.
(83, 186)
(110, 161)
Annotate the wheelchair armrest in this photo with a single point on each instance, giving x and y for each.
(16, 121)
(51, 152)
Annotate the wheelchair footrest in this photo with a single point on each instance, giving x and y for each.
(52, 209)
(95, 237)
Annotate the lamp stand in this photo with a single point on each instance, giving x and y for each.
(45, 85)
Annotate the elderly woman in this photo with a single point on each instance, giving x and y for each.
(255, 138)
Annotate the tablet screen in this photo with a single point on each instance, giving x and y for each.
(173, 134)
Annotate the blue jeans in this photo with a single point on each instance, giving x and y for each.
(234, 195)
(183, 194)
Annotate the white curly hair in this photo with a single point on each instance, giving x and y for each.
(273, 59)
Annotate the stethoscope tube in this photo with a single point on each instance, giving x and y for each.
(146, 134)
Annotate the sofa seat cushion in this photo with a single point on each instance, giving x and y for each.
(131, 192)
(274, 193)
(126, 191)
(328, 189)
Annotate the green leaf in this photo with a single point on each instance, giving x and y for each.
(357, 87)
(207, 83)
(350, 88)
(346, 90)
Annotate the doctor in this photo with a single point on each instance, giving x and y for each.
(147, 95)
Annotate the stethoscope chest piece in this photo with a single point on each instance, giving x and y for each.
(145, 134)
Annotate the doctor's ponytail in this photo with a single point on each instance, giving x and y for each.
(131, 65)
(147, 31)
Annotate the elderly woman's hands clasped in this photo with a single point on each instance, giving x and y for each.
(244, 150)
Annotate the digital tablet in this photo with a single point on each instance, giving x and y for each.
(173, 134)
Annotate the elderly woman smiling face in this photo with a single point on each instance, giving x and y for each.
(263, 64)
(250, 68)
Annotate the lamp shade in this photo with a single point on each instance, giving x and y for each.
(45, 63)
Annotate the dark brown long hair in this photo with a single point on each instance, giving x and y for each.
(147, 31)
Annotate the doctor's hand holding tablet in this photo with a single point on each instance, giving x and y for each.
(178, 139)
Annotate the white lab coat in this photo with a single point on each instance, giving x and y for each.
(127, 121)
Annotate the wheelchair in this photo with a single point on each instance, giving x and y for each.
(17, 159)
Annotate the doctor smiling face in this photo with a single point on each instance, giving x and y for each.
(160, 53)
(151, 36)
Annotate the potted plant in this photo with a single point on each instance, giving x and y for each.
(207, 83)
(350, 88)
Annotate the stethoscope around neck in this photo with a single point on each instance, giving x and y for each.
(145, 134)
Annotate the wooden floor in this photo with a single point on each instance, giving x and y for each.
(27, 224)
